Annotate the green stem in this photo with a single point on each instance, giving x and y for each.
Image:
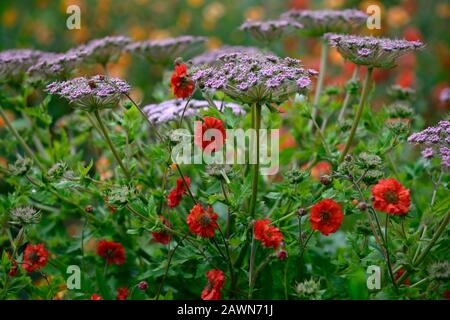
(348, 95)
(256, 125)
(110, 144)
(388, 258)
(323, 69)
(359, 112)
(21, 140)
(251, 281)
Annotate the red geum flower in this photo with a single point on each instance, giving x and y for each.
(216, 281)
(35, 257)
(202, 222)
(400, 272)
(122, 293)
(269, 236)
(391, 197)
(176, 194)
(162, 236)
(182, 85)
(112, 251)
(96, 297)
(326, 216)
(210, 123)
(14, 268)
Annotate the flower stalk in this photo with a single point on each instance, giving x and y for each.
(362, 102)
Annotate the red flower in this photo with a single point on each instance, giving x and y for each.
(35, 257)
(175, 196)
(163, 236)
(216, 280)
(326, 216)
(391, 197)
(112, 251)
(96, 297)
(13, 271)
(182, 85)
(202, 222)
(122, 293)
(270, 236)
(210, 123)
(400, 272)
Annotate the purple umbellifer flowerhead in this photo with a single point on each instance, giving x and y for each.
(165, 51)
(210, 57)
(254, 78)
(15, 62)
(371, 51)
(172, 109)
(436, 142)
(318, 22)
(91, 94)
(104, 50)
(268, 31)
(51, 66)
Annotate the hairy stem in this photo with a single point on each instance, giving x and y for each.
(21, 140)
(362, 102)
(110, 144)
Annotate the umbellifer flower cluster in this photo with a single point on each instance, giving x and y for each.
(173, 109)
(436, 141)
(104, 50)
(56, 65)
(212, 56)
(25, 215)
(372, 52)
(93, 93)
(167, 50)
(14, 63)
(267, 31)
(318, 22)
(255, 78)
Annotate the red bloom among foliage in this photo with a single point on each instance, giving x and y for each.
(391, 197)
(163, 236)
(270, 236)
(326, 216)
(122, 294)
(216, 280)
(182, 85)
(13, 271)
(210, 123)
(96, 297)
(175, 196)
(202, 222)
(35, 257)
(112, 251)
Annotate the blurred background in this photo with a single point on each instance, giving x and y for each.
(41, 24)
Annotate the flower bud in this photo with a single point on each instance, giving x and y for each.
(143, 285)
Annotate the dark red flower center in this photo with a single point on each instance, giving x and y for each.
(390, 197)
(33, 257)
(325, 216)
(204, 220)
